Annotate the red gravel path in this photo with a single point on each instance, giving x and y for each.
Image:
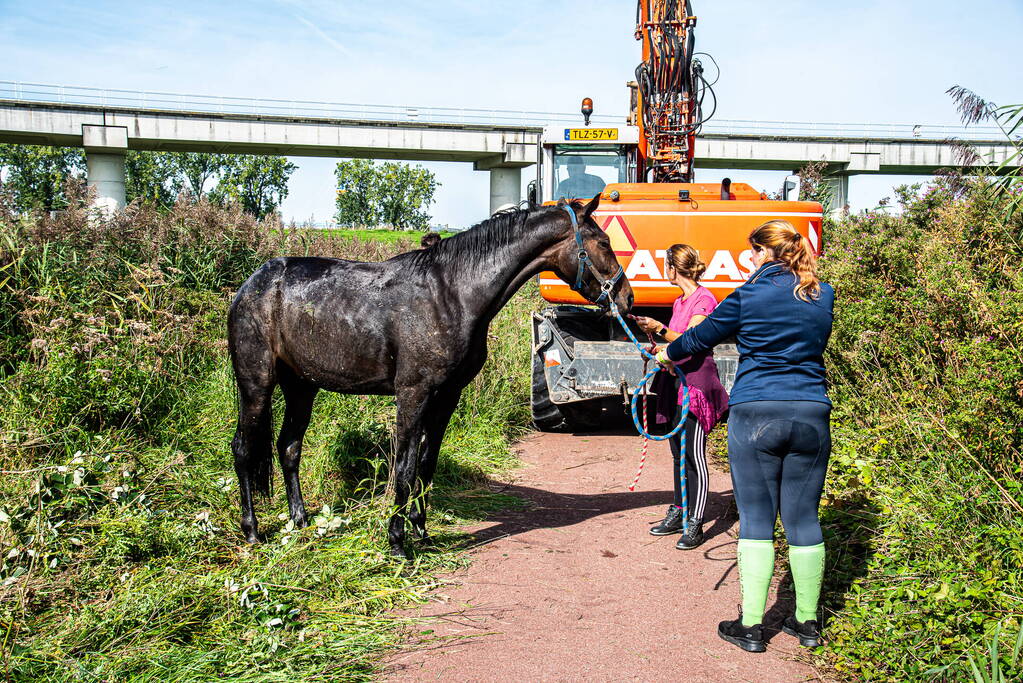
(573, 588)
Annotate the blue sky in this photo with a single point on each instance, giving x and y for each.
(861, 62)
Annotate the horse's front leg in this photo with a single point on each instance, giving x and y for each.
(408, 435)
(435, 422)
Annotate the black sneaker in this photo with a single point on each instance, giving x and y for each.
(693, 538)
(749, 638)
(672, 522)
(808, 632)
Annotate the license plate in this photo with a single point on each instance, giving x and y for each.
(591, 133)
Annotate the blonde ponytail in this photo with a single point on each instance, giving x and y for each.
(794, 252)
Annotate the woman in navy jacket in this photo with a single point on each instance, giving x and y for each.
(779, 437)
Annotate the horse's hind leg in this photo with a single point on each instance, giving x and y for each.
(298, 397)
(251, 447)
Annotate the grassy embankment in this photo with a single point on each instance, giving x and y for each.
(924, 503)
(121, 557)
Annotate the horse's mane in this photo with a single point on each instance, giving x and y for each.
(476, 245)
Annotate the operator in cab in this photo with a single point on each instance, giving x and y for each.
(579, 183)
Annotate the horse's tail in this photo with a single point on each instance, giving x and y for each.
(258, 462)
(253, 441)
(253, 447)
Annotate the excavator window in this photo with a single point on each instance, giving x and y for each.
(582, 172)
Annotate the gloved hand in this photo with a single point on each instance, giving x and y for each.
(662, 356)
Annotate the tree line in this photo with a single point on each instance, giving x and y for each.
(393, 194)
(37, 176)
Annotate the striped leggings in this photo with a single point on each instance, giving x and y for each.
(697, 477)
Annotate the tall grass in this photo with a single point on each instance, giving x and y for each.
(924, 503)
(121, 557)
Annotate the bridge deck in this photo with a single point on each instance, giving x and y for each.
(109, 122)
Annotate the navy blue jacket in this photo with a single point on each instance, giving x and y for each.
(780, 337)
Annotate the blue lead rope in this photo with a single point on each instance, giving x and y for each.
(606, 287)
(646, 379)
(683, 412)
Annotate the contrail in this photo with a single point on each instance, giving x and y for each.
(318, 31)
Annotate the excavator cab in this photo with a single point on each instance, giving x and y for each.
(577, 163)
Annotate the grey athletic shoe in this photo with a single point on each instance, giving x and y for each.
(671, 524)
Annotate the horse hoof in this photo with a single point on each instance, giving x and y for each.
(300, 521)
(251, 532)
(398, 552)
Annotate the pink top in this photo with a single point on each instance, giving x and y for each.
(707, 397)
(700, 302)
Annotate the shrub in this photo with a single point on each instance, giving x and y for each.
(924, 505)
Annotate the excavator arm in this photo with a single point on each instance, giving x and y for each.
(670, 90)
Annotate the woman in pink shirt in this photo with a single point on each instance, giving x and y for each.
(708, 400)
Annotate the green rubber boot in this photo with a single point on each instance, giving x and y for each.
(807, 563)
(756, 567)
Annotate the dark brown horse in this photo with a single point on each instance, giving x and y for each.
(414, 326)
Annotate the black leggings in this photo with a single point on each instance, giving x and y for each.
(697, 478)
(778, 452)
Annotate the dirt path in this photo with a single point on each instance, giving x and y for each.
(573, 588)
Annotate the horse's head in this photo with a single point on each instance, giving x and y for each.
(584, 258)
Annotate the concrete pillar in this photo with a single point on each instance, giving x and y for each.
(505, 186)
(106, 176)
(838, 185)
(105, 147)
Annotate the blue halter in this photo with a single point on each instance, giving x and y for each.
(586, 263)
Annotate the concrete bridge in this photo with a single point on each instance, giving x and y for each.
(107, 123)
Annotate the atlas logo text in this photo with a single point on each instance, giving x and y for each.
(723, 266)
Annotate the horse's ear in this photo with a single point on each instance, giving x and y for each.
(591, 207)
(562, 201)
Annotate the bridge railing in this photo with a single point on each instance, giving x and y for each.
(883, 131)
(218, 104)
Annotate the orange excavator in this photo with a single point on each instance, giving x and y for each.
(643, 170)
